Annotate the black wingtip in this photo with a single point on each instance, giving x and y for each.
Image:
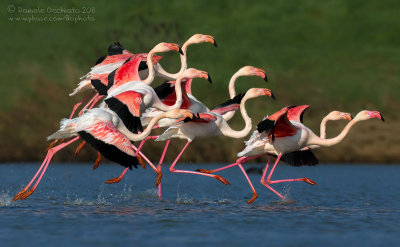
(209, 78)
(180, 51)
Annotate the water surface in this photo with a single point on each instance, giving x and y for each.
(352, 205)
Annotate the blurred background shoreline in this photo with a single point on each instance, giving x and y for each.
(331, 55)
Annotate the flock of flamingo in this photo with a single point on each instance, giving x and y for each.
(123, 80)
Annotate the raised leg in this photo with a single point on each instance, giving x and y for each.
(265, 172)
(91, 103)
(172, 168)
(76, 106)
(159, 174)
(241, 160)
(79, 148)
(98, 160)
(118, 179)
(269, 181)
(42, 169)
(251, 185)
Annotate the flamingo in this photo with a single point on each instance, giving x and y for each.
(210, 124)
(130, 99)
(257, 141)
(286, 137)
(195, 39)
(105, 132)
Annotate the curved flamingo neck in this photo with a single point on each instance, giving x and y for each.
(315, 140)
(232, 93)
(228, 131)
(322, 127)
(150, 65)
(178, 91)
(138, 137)
(183, 57)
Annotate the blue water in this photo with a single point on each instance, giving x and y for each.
(352, 205)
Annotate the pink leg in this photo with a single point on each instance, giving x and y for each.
(238, 161)
(263, 177)
(251, 185)
(159, 174)
(91, 103)
(76, 106)
(269, 181)
(160, 163)
(172, 168)
(23, 193)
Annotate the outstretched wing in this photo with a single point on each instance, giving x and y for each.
(127, 107)
(111, 143)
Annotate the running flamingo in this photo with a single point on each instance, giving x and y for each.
(257, 142)
(105, 132)
(210, 124)
(292, 138)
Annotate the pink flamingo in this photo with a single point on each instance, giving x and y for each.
(294, 139)
(257, 142)
(104, 131)
(210, 124)
(131, 98)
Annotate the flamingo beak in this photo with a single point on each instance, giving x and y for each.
(261, 73)
(347, 116)
(209, 78)
(376, 114)
(210, 39)
(175, 47)
(269, 93)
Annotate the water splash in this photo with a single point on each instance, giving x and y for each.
(5, 199)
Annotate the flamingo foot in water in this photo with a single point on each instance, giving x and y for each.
(19, 194)
(98, 160)
(222, 180)
(113, 180)
(309, 181)
(253, 198)
(26, 194)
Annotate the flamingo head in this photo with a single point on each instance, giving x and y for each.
(337, 115)
(201, 38)
(166, 47)
(252, 71)
(179, 113)
(257, 92)
(364, 115)
(195, 73)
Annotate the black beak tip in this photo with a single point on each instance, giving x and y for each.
(215, 43)
(351, 116)
(180, 51)
(383, 120)
(273, 96)
(209, 78)
(266, 78)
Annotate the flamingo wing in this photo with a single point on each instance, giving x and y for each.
(300, 158)
(229, 105)
(127, 106)
(296, 113)
(199, 118)
(277, 125)
(111, 143)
